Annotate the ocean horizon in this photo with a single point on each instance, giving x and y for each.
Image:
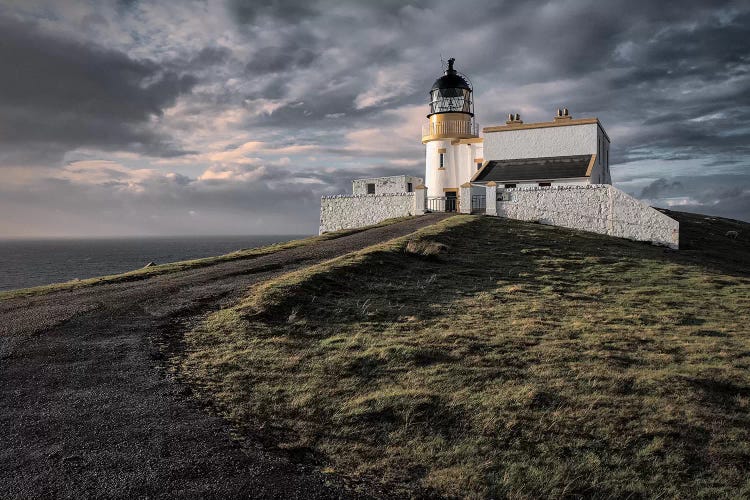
(28, 262)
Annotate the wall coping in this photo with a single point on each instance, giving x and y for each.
(381, 195)
(386, 177)
(557, 188)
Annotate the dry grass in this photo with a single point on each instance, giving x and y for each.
(522, 361)
(425, 248)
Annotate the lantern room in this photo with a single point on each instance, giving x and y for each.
(451, 108)
(451, 93)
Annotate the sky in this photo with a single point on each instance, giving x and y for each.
(129, 118)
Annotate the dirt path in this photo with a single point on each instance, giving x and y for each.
(88, 410)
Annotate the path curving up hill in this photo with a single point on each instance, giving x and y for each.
(88, 409)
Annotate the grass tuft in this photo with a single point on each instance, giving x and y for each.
(425, 248)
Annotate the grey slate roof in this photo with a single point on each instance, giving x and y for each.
(532, 169)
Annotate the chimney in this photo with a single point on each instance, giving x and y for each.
(514, 119)
(562, 114)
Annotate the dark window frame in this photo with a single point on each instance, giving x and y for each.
(370, 188)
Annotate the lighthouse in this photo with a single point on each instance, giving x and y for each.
(555, 172)
(453, 147)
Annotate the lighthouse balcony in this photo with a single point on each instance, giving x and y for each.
(449, 129)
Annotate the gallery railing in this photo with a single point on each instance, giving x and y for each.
(442, 204)
(450, 129)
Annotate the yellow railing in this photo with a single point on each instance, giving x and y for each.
(450, 129)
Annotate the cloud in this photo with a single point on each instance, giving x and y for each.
(724, 195)
(230, 107)
(387, 84)
(106, 198)
(248, 11)
(660, 188)
(58, 94)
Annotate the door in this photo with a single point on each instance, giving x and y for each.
(450, 201)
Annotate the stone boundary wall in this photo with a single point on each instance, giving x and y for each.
(359, 210)
(599, 208)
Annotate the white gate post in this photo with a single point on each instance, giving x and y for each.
(464, 199)
(491, 198)
(420, 200)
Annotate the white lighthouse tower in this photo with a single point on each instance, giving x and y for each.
(451, 139)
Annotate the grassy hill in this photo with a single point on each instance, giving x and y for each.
(489, 357)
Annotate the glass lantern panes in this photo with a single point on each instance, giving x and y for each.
(451, 101)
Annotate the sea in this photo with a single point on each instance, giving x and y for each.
(26, 263)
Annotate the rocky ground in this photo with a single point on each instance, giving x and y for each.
(87, 407)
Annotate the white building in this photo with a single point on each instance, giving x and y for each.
(563, 151)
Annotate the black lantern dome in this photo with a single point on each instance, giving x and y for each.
(451, 93)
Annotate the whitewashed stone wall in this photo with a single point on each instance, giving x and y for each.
(352, 211)
(597, 208)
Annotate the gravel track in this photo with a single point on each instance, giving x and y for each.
(87, 408)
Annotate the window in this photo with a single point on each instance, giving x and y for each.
(442, 160)
(479, 165)
(409, 187)
(371, 189)
(545, 184)
(509, 186)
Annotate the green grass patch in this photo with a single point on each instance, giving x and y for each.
(185, 265)
(482, 357)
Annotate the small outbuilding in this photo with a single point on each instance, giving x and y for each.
(386, 185)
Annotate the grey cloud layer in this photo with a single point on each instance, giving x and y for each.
(723, 195)
(670, 80)
(274, 200)
(654, 66)
(58, 94)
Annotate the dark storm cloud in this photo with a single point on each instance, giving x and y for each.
(248, 11)
(661, 187)
(670, 81)
(298, 51)
(722, 195)
(639, 62)
(673, 76)
(690, 84)
(205, 58)
(58, 94)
